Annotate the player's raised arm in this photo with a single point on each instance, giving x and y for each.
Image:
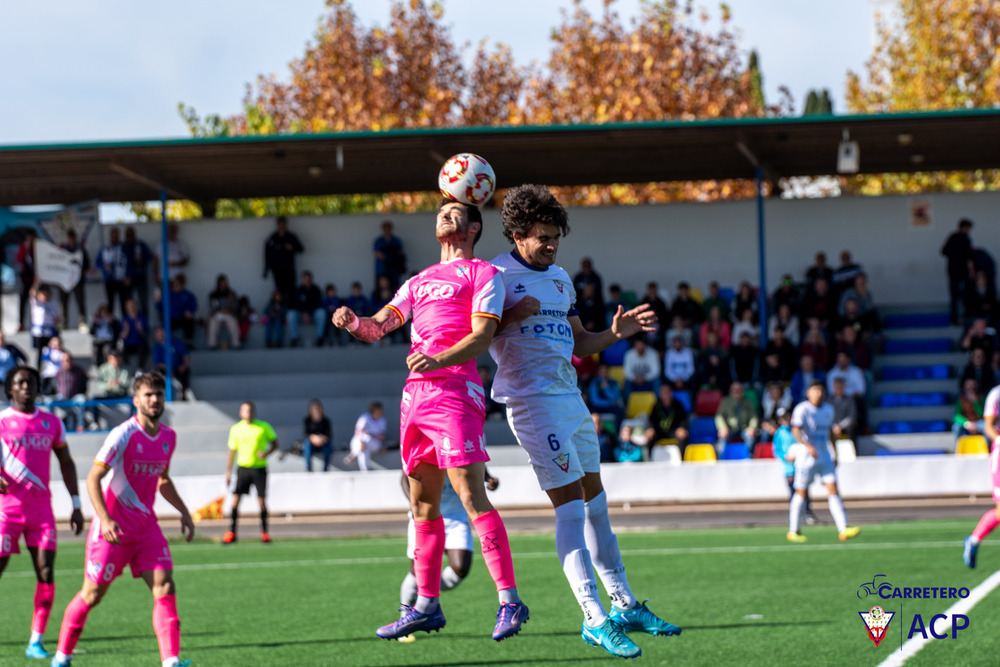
(367, 329)
(68, 469)
(470, 347)
(169, 492)
(625, 324)
(109, 529)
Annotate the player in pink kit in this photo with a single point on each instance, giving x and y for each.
(455, 307)
(991, 518)
(28, 436)
(125, 529)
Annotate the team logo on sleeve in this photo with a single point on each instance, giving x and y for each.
(562, 461)
(876, 621)
(45, 424)
(166, 448)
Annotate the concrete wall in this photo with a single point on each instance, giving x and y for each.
(633, 244)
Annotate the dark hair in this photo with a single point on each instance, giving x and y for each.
(817, 383)
(526, 205)
(472, 213)
(153, 380)
(965, 223)
(8, 382)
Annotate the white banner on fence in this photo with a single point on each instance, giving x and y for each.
(56, 266)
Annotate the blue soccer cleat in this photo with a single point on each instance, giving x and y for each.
(641, 619)
(36, 650)
(510, 616)
(412, 621)
(969, 553)
(609, 636)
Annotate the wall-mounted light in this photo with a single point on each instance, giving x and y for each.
(848, 155)
(315, 171)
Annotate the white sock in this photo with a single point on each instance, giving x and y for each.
(61, 657)
(426, 605)
(408, 590)
(837, 510)
(975, 540)
(795, 512)
(571, 546)
(449, 578)
(172, 662)
(603, 547)
(509, 596)
(36, 637)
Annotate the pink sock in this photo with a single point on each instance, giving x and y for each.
(72, 626)
(986, 525)
(45, 594)
(496, 549)
(427, 556)
(167, 626)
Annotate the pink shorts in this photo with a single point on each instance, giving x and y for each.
(995, 469)
(36, 524)
(142, 552)
(441, 422)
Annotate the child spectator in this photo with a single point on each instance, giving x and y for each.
(274, 320)
(44, 318)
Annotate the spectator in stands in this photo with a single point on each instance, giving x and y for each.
(178, 255)
(246, 317)
(845, 411)
(736, 418)
(858, 291)
(713, 300)
(588, 276)
(11, 356)
(605, 396)
(713, 364)
(776, 397)
(105, 330)
(662, 312)
(52, 355)
(786, 321)
(961, 265)
(818, 270)
(642, 368)
(139, 258)
(135, 334)
(788, 356)
(615, 299)
(605, 438)
(274, 320)
(590, 308)
(815, 346)
(627, 451)
(969, 410)
(113, 263)
(744, 361)
(807, 373)
(307, 308)
(44, 318)
(331, 302)
(854, 347)
(981, 299)
(787, 294)
(180, 359)
(358, 303)
(979, 369)
(586, 369)
(980, 335)
(390, 260)
(222, 302)
(855, 385)
(318, 436)
(820, 304)
(746, 325)
(71, 385)
(685, 306)
(369, 436)
(678, 365)
(79, 291)
(25, 259)
(718, 326)
(745, 300)
(183, 309)
(677, 328)
(494, 410)
(114, 380)
(667, 420)
(844, 276)
(279, 257)
(866, 325)
(770, 369)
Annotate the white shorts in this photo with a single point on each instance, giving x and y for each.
(559, 436)
(457, 531)
(373, 447)
(821, 468)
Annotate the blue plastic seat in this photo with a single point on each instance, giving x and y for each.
(917, 321)
(735, 451)
(615, 355)
(702, 429)
(918, 346)
(684, 398)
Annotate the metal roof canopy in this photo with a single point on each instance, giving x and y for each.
(407, 160)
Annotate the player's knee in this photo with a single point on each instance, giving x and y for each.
(165, 588)
(461, 566)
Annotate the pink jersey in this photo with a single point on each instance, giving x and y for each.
(26, 444)
(442, 300)
(992, 406)
(137, 461)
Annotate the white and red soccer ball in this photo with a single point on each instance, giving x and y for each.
(467, 178)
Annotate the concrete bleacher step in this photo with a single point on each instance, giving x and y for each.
(907, 413)
(910, 333)
(331, 383)
(255, 361)
(953, 359)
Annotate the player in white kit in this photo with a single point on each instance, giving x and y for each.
(991, 518)
(539, 333)
(812, 421)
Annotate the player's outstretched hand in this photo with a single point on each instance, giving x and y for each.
(110, 532)
(187, 527)
(492, 483)
(76, 522)
(342, 317)
(3, 485)
(418, 362)
(640, 318)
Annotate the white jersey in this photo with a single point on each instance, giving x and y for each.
(533, 357)
(815, 423)
(367, 430)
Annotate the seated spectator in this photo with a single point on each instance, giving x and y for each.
(677, 328)
(134, 335)
(71, 385)
(854, 347)
(331, 302)
(586, 369)
(591, 308)
(818, 270)
(183, 309)
(845, 411)
(685, 306)
(494, 410)
(369, 436)
(246, 317)
(605, 439)
(784, 319)
(788, 356)
(381, 295)
(858, 291)
(770, 369)
(306, 307)
(736, 418)
(979, 370)
(980, 298)
(678, 364)
(605, 396)
(105, 329)
(718, 326)
(627, 451)
(865, 324)
(746, 326)
(969, 409)
(662, 312)
(855, 385)
(357, 302)
(819, 303)
(318, 434)
(744, 361)
(980, 335)
(642, 368)
(44, 318)
(51, 362)
(274, 320)
(776, 397)
(844, 275)
(807, 373)
(814, 346)
(222, 304)
(114, 380)
(745, 300)
(668, 419)
(11, 356)
(713, 365)
(615, 299)
(713, 300)
(787, 294)
(180, 358)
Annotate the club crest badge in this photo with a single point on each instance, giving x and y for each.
(876, 622)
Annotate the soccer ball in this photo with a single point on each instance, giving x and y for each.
(467, 178)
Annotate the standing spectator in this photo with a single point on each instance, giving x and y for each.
(180, 358)
(678, 365)
(668, 419)
(251, 441)
(605, 396)
(79, 291)
(306, 308)
(44, 318)
(662, 311)
(71, 385)
(135, 334)
(713, 300)
(718, 326)
(746, 299)
(786, 321)
(736, 418)
(642, 368)
(844, 276)
(969, 410)
(274, 320)
(369, 436)
(105, 330)
(587, 276)
(818, 270)
(787, 294)
(112, 260)
(590, 308)
(318, 436)
(685, 306)
(279, 257)
(11, 356)
(744, 361)
(331, 302)
(961, 265)
(222, 303)
(390, 260)
(139, 258)
(183, 309)
(713, 364)
(807, 373)
(25, 259)
(845, 411)
(178, 255)
(978, 369)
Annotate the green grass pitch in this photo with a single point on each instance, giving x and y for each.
(743, 597)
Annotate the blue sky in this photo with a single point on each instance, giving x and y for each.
(116, 69)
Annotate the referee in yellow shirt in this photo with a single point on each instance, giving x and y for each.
(251, 441)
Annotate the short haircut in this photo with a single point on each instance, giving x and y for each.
(473, 213)
(375, 405)
(8, 382)
(818, 383)
(526, 205)
(965, 223)
(152, 380)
